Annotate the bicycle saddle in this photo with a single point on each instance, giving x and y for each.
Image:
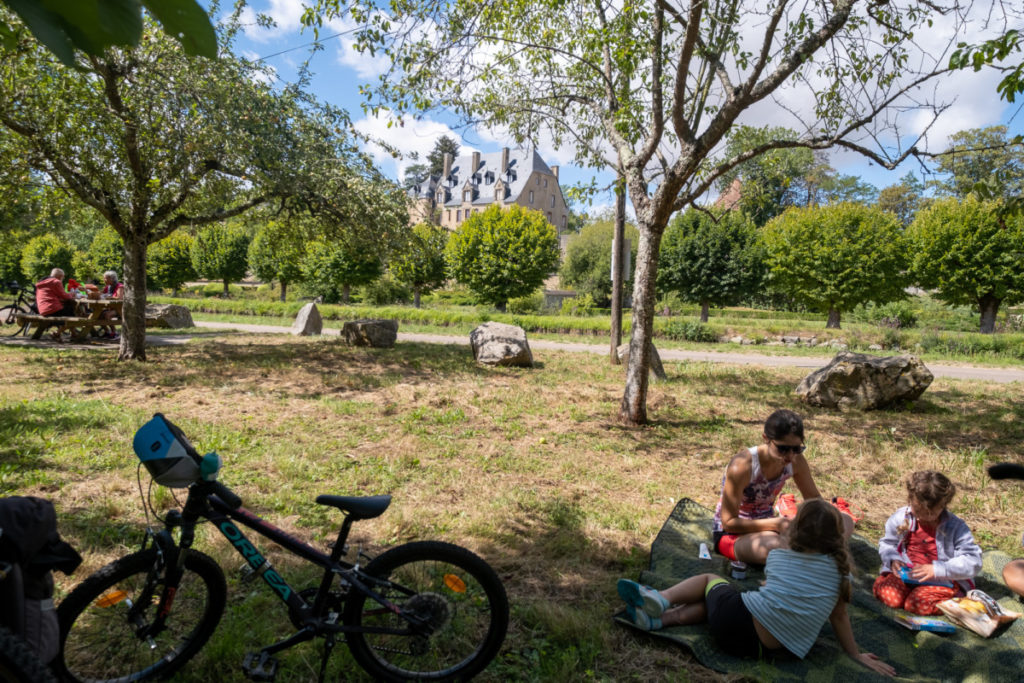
(366, 507)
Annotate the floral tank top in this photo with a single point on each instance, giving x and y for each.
(759, 495)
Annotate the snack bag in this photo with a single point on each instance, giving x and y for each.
(977, 612)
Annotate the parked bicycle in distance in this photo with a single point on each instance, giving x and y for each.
(424, 610)
(24, 303)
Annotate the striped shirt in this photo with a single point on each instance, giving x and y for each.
(800, 592)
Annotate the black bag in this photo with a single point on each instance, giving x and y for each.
(30, 548)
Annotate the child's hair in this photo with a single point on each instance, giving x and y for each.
(782, 423)
(818, 528)
(931, 488)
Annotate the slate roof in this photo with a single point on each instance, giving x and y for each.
(520, 166)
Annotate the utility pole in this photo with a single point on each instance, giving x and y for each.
(618, 260)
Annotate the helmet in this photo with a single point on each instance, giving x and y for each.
(166, 453)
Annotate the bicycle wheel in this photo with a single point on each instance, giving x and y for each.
(9, 316)
(18, 664)
(457, 595)
(105, 622)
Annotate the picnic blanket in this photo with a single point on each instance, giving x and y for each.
(917, 655)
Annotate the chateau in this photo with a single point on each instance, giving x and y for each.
(471, 183)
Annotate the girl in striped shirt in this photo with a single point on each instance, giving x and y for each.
(806, 584)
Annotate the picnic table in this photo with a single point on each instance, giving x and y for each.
(89, 315)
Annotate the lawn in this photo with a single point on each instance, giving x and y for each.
(526, 467)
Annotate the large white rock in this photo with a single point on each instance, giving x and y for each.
(379, 334)
(501, 344)
(656, 369)
(308, 321)
(168, 315)
(860, 381)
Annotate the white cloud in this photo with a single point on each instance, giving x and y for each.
(408, 135)
(287, 15)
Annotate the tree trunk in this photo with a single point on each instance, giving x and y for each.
(416, 297)
(833, 319)
(284, 290)
(704, 310)
(345, 290)
(989, 307)
(634, 401)
(133, 312)
(618, 263)
(227, 292)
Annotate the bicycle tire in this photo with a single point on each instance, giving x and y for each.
(18, 663)
(99, 643)
(8, 316)
(449, 586)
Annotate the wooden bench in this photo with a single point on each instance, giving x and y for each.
(80, 327)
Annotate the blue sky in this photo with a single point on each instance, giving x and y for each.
(339, 70)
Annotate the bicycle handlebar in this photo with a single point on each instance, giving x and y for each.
(1006, 470)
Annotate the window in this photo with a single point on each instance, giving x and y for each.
(531, 196)
(467, 196)
(458, 215)
(449, 219)
(545, 182)
(552, 201)
(538, 180)
(565, 221)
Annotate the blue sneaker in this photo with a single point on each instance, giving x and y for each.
(642, 620)
(650, 601)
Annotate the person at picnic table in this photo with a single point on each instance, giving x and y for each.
(806, 584)
(52, 300)
(112, 289)
(745, 526)
(933, 545)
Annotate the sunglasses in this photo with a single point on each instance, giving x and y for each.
(795, 450)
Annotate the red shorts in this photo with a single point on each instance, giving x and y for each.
(725, 544)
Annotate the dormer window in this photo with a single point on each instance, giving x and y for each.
(467, 196)
(489, 177)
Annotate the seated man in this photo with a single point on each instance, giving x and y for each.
(52, 300)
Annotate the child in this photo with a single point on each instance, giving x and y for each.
(745, 526)
(806, 583)
(932, 543)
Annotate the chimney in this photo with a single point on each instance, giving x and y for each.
(554, 169)
(504, 160)
(447, 169)
(475, 167)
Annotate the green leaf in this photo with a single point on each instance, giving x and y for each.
(187, 23)
(47, 28)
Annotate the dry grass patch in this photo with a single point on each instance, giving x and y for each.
(527, 467)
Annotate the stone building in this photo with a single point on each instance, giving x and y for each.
(472, 182)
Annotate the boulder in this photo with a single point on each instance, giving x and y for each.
(308, 321)
(168, 315)
(656, 369)
(501, 344)
(380, 334)
(863, 382)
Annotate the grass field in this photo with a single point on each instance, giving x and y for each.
(526, 467)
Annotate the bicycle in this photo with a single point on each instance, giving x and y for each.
(22, 305)
(424, 610)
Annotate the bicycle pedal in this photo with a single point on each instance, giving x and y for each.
(258, 666)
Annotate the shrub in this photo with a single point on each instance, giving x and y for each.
(44, 253)
(169, 261)
(385, 291)
(531, 303)
(581, 305)
(689, 330)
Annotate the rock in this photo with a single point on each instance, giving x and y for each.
(169, 315)
(308, 321)
(748, 342)
(860, 381)
(380, 334)
(501, 344)
(774, 343)
(791, 340)
(736, 340)
(875, 347)
(656, 369)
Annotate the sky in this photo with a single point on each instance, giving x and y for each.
(339, 70)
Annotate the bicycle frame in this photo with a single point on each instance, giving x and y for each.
(201, 504)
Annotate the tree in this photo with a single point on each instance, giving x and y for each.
(979, 155)
(421, 263)
(276, 254)
(902, 199)
(170, 262)
(649, 89)
(833, 258)
(66, 25)
(106, 252)
(501, 254)
(970, 254)
(331, 269)
(11, 245)
(221, 252)
(151, 139)
(435, 160)
(587, 265)
(711, 260)
(44, 253)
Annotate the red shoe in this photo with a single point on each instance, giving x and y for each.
(843, 506)
(786, 505)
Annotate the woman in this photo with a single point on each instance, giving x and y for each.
(112, 289)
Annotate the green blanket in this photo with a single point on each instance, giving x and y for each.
(919, 656)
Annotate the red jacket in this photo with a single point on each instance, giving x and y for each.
(50, 295)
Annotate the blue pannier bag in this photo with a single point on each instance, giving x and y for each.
(166, 453)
